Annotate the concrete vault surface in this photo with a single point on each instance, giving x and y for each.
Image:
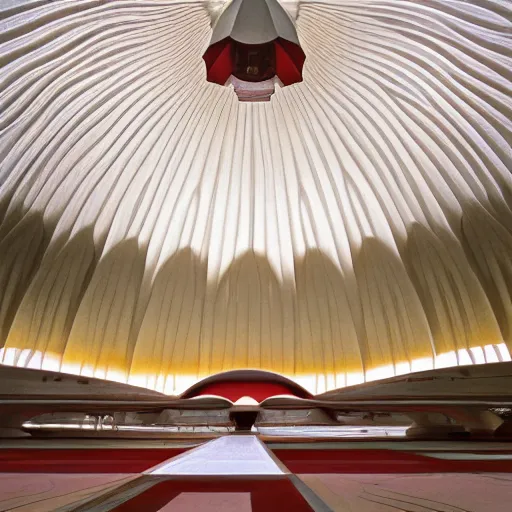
(155, 230)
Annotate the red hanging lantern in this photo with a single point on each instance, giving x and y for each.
(254, 41)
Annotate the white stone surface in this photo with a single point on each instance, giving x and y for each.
(228, 455)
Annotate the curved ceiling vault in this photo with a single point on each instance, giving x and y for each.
(154, 229)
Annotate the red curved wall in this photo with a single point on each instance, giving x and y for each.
(233, 390)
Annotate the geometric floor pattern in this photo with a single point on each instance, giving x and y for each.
(242, 474)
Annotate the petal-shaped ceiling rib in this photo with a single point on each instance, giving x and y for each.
(154, 229)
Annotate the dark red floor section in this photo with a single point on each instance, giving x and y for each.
(32, 460)
(381, 461)
(276, 495)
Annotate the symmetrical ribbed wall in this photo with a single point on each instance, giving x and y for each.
(154, 228)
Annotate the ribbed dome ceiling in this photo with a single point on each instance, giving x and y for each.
(154, 229)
